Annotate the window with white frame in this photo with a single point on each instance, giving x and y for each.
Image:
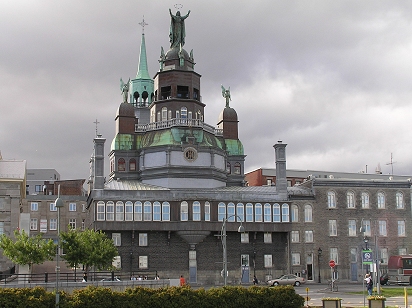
(331, 199)
(258, 212)
(100, 211)
(269, 182)
(231, 212)
(365, 200)
(164, 114)
(353, 255)
(268, 263)
(128, 206)
(350, 199)
(184, 211)
(295, 258)
(334, 254)
(401, 228)
(267, 237)
(381, 200)
(244, 237)
(308, 213)
(402, 251)
(267, 212)
(240, 212)
(72, 223)
(384, 255)
(399, 200)
(72, 207)
(221, 209)
(382, 228)
(285, 212)
(207, 211)
(117, 239)
(142, 239)
(33, 224)
(157, 211)
(309, 236)
(333, 228)
(110, 211)
(34, 206)
(166, 211)
(295, 213)
(143, 262)
(196, 211)
(53, 207)
(53, 224)
(138, 211)
(249, 212)
(352, 227)
(367, 227)
(119, 211)
(147, 211)
(294, 236)
(183, 113)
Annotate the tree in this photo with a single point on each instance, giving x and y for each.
(27, 250)
(88, 247)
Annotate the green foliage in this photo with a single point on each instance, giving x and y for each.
(27, 250)
(28, 297)
(89, 247)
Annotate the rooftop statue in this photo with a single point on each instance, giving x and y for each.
(177, 29)
(226, 95)
(124, 87)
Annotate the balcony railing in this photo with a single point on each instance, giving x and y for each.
(180, 122)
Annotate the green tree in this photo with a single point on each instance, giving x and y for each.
(88, 247)
(27, 249)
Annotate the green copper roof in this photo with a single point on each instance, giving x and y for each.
(234, 147)
(122, 142)
(143, 72)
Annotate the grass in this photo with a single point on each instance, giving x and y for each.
(389, 292)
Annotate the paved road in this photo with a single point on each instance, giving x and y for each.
(318, 291)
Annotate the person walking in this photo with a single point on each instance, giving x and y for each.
(369, 283)
(182, 281)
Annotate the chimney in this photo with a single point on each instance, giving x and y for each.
(98, 162)
(281, 181)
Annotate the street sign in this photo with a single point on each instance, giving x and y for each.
(332, 263)
(367, 257)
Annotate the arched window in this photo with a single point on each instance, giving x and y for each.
(184, 211)
(147, 211)
(258, 212)
(295, 213)
(138, 211)
(365, 200)
(276, 212)
(207, 211)
(145, 95)
(119, 211)
(183, 113)
(331, 199)
(128, 211)
(156, 211)
(221, 211)
(165, 211)
(240, 212)
(285, 212)
(132, 164)
(196, 211)
(381, 200)
(135, 98)
(237, 168)
(121, 164)
(164, 114)
(231, 212)
(399, 200)
(249, 212)
(308, 213)
(350, 199)
(100, 210)
(110, 211)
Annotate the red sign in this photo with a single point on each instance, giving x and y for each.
(332, 263)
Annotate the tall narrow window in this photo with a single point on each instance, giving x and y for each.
(138, 211)
(382, 228)
(294, 236)
(72, 223)
(240, 212)
(207, 211)
(367, 227)
(237, 168)
(132, 164)
(164, 114)
(268, 261)
(128, 211)
(352, 227)
(350, 199)
(381, 200)
(183, 113)
(53, 224)
(276, 212)
(110, 211)
(308, 213)
(285, 212)
(231, 212)
(33, 224)
(399, 200)
(258, 212)
(228, 168)
(157, 212)
(100, 211)
(119, 211)
(221, 208)
(333, 228)
(267, 212)
(147, 208)
(309, 236)
(401, 228)
(384, 255)
(295, 258)
(365, 200)
(143, 263)
(121, 164)
(334, 254)
(295, 213)
(331, 199)
(196, 211)
(249, 212)
(184, 211)
(165, 211)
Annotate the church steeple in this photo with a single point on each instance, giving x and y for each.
(142, 72)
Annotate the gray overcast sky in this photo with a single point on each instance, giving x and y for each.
(332, 79)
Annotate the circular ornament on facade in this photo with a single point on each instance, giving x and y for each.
(190, 154)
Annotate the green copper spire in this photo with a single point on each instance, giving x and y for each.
(142, 72)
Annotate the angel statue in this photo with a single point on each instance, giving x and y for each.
(124, 87)
(226, 94)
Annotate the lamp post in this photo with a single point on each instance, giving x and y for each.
(241, 229)
(319, 254)
(59, 204)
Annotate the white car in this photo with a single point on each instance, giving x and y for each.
(287, 280)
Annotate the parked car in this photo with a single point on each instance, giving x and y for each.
(384, 279)
(287, 279)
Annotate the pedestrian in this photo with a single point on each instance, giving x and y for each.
(255, 280)
(369, 283)
(84, 277)
(182, 280)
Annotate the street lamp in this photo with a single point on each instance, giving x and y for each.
(59, 204)
(319, 254)
(241, 229)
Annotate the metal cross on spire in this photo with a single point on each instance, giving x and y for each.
(143, 23)
(96, 122)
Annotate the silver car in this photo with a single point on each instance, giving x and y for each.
(287, 280)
